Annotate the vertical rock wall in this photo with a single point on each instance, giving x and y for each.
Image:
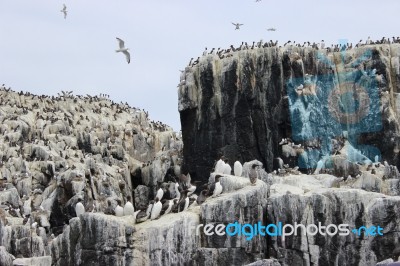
(242, 106)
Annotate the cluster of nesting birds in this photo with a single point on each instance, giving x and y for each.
(180, 198)
(102, 100)
(223, 53)
(165, 201)
(82, 145)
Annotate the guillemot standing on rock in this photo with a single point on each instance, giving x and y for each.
(119, 211)
(156, 210)
(128, 208)
(79, 208)
(202, 197)
(142, 215)
(149, 208)
(166, 207)
(253, 175)
(216, 187)
(219, 167)
(160, 193)
(183, 203)
(227, 168)
(237, 168)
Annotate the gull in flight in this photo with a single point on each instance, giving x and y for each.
(258, 0)
(271, 29)
(237, 25)
(123, 50)
(64, 10)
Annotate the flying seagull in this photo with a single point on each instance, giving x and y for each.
(258, 0)
(237, 25)
(123, 50)
(64, 10)
(271, 29)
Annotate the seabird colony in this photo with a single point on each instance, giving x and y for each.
(223, 53)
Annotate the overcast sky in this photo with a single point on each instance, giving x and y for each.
(44, 53)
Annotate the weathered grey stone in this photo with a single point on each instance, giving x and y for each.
(37, 261)
(267, 262)
(6, 259)
(385, 262)
(239, 106)
(334, 206)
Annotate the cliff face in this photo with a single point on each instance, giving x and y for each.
(242, 106)
(96, 238)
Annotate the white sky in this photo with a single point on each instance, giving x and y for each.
(42, 53)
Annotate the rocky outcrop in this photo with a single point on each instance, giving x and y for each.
(242, 106)
(304, 199)
(171, 240)
(54, 150)
(342, 122)
(5, 257)
(334, 206)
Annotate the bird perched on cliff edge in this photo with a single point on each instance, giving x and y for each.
(123, 50)
(183, 203)
(142, 215)
(219, 167)
(156, 210)
(166, 207)
(79, 208)
(149, 208)
(192, 188)
(202, 197)
(253, 175)
(160, 193)
(119, 211)
(237, 168)
(216, 187)
(227, 168)
(128, 208)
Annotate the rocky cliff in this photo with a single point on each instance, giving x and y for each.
(328, 122)
(55, 150)
(243, 105)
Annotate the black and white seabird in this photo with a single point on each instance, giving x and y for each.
(237, 168)
(253, 175)
(142, 215)
(216, 187)
(119, 211)
(227, 168)
(219, 167)
(156, 210)
(79, 208)
(183, 203)
(149, 208)
(166, 207)
(191, 189)
(160, 193)
(128, 208)
(202, 197)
